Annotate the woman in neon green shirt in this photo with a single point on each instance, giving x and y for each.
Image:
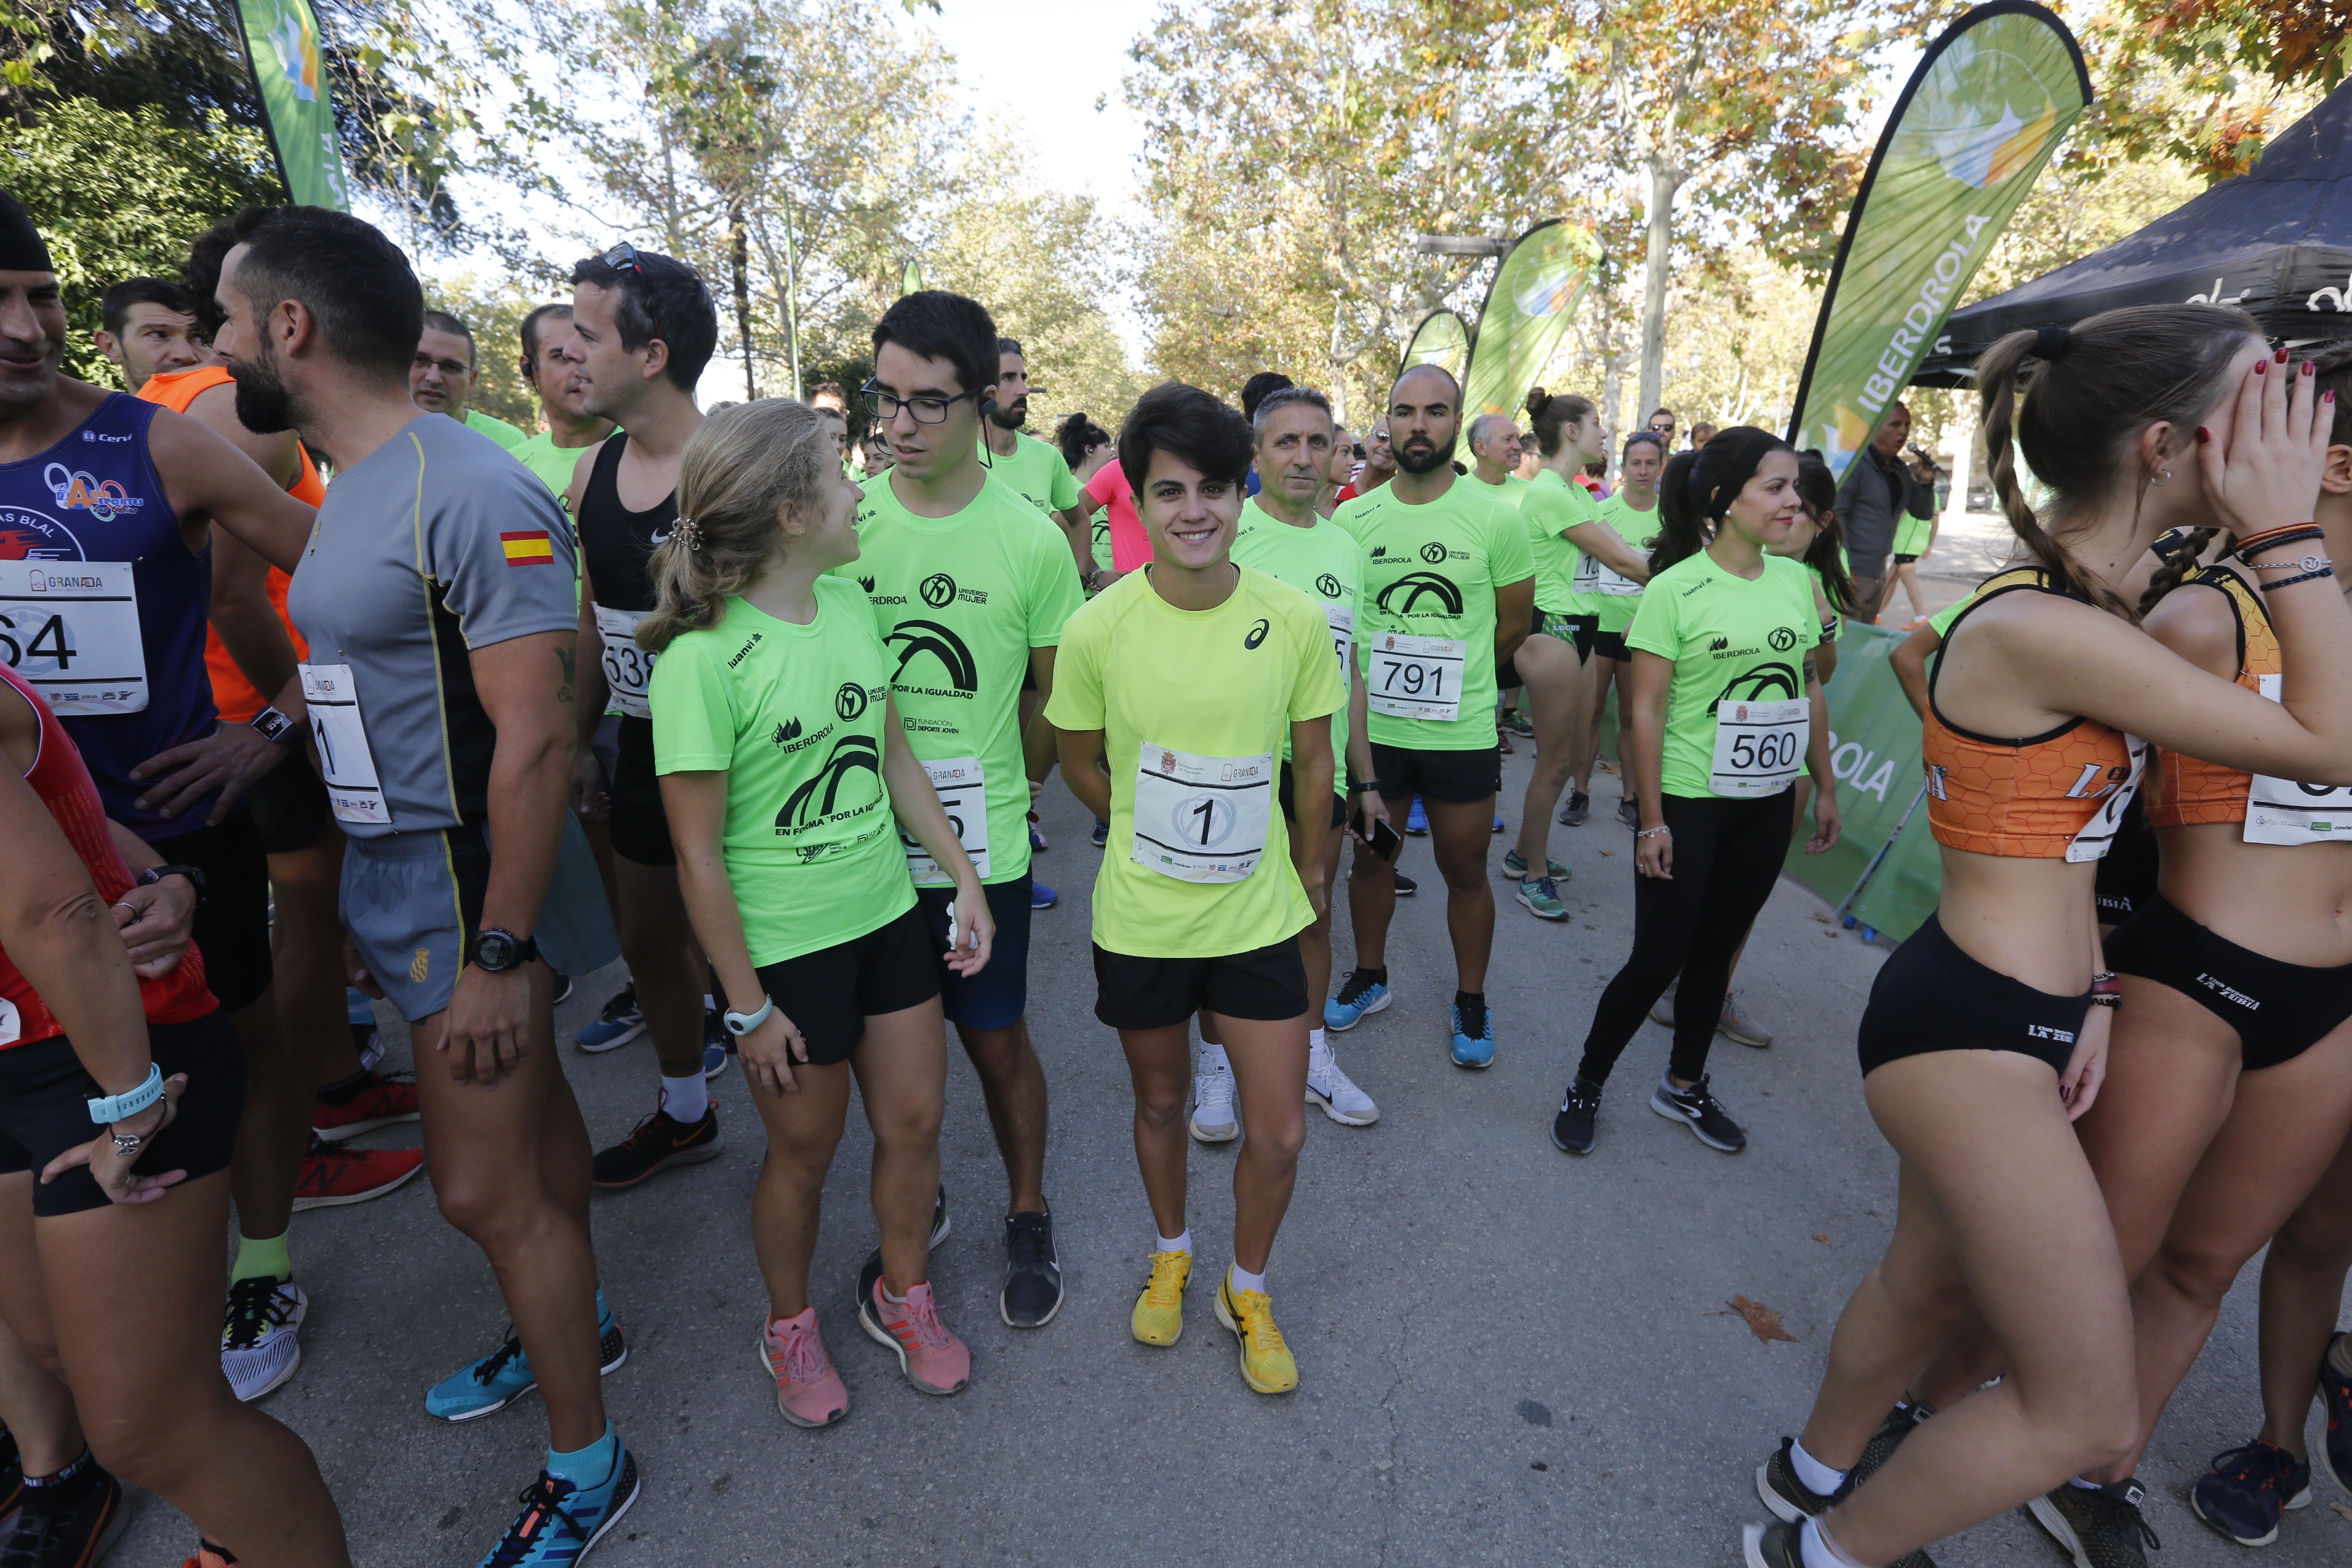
(1183, 679)
(1633, 511)
(787, 780)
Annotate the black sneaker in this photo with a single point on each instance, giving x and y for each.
(1773, 1545)
(1900, 1423)
(940, 1226)
(67, 1525)
(1033, 1274)
(1578, 807)
(1405, 886)
(655, 1144)
(2097, 1526)
(1697, 1108)
(562, 989)
(1517, 723)
(12, 1477)
(1101, 835)
(1629, 813)
(1572, 1130)
(1789, 1498)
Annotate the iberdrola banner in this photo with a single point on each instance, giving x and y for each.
(1441, 339)
(1971, 132)
(1527, 311)
(282, 45)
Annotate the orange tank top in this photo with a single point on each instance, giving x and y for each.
(2185, 790)
(2053, 796)
(233, 694)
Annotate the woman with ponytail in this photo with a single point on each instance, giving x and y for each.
(1987, 1033)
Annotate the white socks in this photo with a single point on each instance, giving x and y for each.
(1243, 1281)
(1819, 1550)
(1318, 1046)
(1173, 1244)
(685, 1099)
(1213, 1059)
(1817, 1477)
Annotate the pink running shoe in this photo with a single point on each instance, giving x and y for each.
(808, 1391)
(934, 1360)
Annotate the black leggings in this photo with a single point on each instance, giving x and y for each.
(1727, 853)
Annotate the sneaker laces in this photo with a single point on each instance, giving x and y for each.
(624, 1000)
(1257, 1322)
(2266, 1465)
(487, 1369)
(1580, 1095)
(1699, 1096)
(1030, 1243)
(541, 1500)
(1166, 1287)
(802, 1350)
(1354, 991)
(1546, 887)
(646, 1134)
(2117, 1508)
(254, 1308)
(922, 1317)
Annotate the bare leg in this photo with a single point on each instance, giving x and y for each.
(2303, 1291)
(1559, 700)
(1459, 830)
(1371, 896)
(1270, 1071)
(306, 943)
(274, 1133)
(804, 1130)
(668, 982)
(1012, 1082)
(1160, 1061)
(902, 1074)
(1604, 671)
(1315, 941)
(36, 1406)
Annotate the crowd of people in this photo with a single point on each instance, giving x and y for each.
(762, 702)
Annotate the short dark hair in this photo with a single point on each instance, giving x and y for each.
(200, 273)
(832, 389)
(1661, 408)
(661, 297)
(443, 321)
(355, 283)
(1011, 346)
(114, 309)
(1260, 387)
(1283, 397)
(932, 323)
(1186, 423)
(530, 328)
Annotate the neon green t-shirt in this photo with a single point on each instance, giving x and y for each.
(497, 429)
(1426, 630)
(1728, 636)
(958, 601)
(1638, 528)
(1205, 697)
(1320, 562)
(551, 463)
(1036, 472)
(1942, 619)
(1510, 492)
(1552, 507)
(793, 716)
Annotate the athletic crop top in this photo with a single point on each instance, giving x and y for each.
(2051, 796)
(61, 780)
(2183, 791)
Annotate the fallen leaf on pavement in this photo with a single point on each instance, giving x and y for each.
(1609, 852)
(1816, 914)
(2340, 1508)
(1823, 1237)
(1762, 1320)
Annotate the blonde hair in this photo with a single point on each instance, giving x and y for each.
(738, 472)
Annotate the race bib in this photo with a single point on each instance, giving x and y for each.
(963, 793)
(1416, 678)
(2281, 811)
(627, 667)
(71, 629)
(1587, 579)
(353, 788)
(2099, 833)
(1608, 579)
(1760, 747)
(1343, 634)
(1201, 819)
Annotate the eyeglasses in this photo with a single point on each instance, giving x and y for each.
(623, 257)
(928, 410)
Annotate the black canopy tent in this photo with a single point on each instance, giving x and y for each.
(2277, 242)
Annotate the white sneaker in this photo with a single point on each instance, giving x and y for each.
(259, 1348)
(1212, 1107)
(1335, 1091)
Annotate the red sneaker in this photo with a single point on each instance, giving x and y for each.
(379, 1101)
(933, 1359)
(333, 1175)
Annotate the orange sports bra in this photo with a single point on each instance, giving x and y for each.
(2184, 790)
(2053, 796)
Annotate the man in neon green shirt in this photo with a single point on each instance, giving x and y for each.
(554, 371)
(441, 378)
(1495, 454)
(1034, 468)
(1448, 594)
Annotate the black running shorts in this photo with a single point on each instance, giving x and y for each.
(829, 994)
(1931, 996)
(2280, 1010)
(44, 1111)
(639, 824)
(1263, 983)
(1451, 777)
(231, 925)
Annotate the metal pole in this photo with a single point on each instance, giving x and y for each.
(793, 300)
(1846, 904)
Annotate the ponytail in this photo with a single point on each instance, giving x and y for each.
(738, 471)
(1697, 488)
(1997, 376)
(2180, 559)
(1817, 490)
(1682, 527)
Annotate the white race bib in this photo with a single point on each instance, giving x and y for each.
(2099, 833)
(1609, 579)
(1760, 747)
(1343, 635)
(2281, 811)
(963, 793)
(1416, 678)
(1201, 819)
(1587, 578)
(71, 629)
(353, 788)
(627, 667)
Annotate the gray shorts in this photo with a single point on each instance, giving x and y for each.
(411, 900)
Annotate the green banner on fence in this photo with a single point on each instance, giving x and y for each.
(1527, 311)
(281, 44)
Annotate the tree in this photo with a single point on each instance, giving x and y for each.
(495, 310)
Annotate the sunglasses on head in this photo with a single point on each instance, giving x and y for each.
(624, 258)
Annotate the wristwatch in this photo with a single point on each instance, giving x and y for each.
(1088, 582)
(1369, 786)
(494, 949)
(121, 1106)
(195, 874)
(276, 726)
(739, 1024)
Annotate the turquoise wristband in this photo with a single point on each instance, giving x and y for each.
(114, 1108)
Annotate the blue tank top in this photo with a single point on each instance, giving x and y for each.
(96, 497)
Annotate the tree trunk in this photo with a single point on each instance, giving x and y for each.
(1666, 179)
(791, 301)
(739, 256)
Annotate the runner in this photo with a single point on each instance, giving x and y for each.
(2136, 419)
(1087, 448)
(437, 582)
(1184, 679)
(112, 1248)
(970, 585)
(1633, 515)
(1495, 451)
(783, 761)
(148, 329)
(1280, 534)
(441, 378)
(645, 328)
(1727, 711)
(1448, 588)
(553, 365)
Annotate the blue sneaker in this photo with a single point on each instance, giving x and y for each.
(1498, 822)
(1101, 835)
(1474, 1051)
(715, 1043)
(617, 1025)
(503, 1376)
(2248, 1489)
(562, 1520)
(1042, 897)
(1359, 998)
(1416, 821)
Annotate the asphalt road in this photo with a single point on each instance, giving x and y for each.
(1507, 1356)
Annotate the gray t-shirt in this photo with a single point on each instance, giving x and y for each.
(437, 543)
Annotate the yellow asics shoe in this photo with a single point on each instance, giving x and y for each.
(1267, 1366)
(1160, 1310)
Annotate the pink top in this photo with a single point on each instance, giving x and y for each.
(1130, 547)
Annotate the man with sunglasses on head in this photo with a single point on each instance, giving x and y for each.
(970, 583)
(644, 326)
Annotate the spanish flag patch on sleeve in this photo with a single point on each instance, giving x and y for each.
(531, 547)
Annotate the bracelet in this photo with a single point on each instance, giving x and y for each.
(1650, 833)
(2104, 983)
(2293, 533)
(2302, 577)
(2307, 562)
(1370, 786)
(2106, 998)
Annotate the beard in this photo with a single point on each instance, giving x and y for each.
(1012, 415)
(1414, 459)
(265, 404)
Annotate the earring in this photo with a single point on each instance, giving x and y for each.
(2164, 477)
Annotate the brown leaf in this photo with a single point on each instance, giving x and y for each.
(1823, 1237)
(1762, 1320)
(1816, 914)
(1609, 852)
(2340, 1508)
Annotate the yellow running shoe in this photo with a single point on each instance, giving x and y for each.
(1267, 1366)
(1160, 1310)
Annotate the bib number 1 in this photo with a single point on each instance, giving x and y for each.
(1201, 819)
(344, 760)
(1760, 747)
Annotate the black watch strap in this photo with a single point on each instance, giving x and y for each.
(276, 726)
(195, 874)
